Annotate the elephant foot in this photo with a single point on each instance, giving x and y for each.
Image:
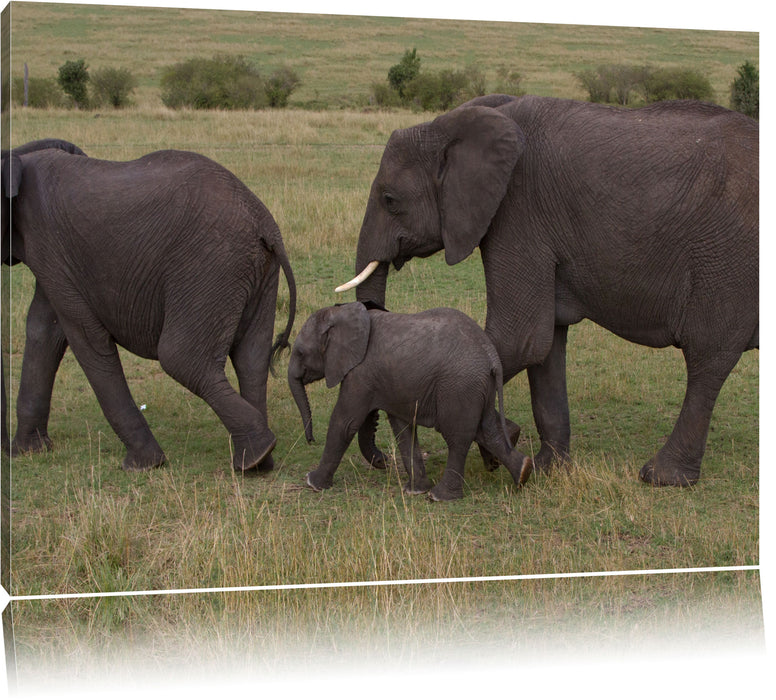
(661, 471)
(251, 451)
(549, 457)
(143, 462)
(444, 492)
(488, 459)
(418, 486)
(318, 482)
(263, 467)
(30, 443)
(520, 472)
(378, 461)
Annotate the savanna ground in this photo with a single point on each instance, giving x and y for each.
(79, 524)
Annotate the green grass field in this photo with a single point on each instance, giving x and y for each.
(80, 524)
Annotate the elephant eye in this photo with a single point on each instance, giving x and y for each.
(390, 201)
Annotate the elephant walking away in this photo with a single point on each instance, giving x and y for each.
(436, 368)
(169, 256)
(643, 220)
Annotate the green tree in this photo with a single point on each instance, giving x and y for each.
(73, 78)
(745, 91)
(404, 72)
(113, 86)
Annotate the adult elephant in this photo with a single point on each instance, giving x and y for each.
(169, 256)
(643, 220)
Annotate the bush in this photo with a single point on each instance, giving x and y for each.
(221, 82)
(73, 78)
(42, 93)
(613, 83)
(508, 81)
(616, 84)
(112, 86)
(745, 91)
(438, 91)
(598, 89)
(404, 72)
(384, 95)
(280, 85)
(676, 84)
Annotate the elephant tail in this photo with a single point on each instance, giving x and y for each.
(282, 340)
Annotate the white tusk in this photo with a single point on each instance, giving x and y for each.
(359, 278)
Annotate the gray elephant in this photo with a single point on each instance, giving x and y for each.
(643, 220)
(169, 256)
(436, 368)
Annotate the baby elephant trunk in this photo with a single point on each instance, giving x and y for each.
(299, 393)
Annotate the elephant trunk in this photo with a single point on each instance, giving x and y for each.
(298, 391)
(373, 287)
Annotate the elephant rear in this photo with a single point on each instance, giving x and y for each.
(172, 257)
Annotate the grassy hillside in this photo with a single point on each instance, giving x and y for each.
(338, 58)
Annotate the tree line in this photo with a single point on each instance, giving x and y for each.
(232, 82)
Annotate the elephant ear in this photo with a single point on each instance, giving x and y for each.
(482, 148)
(345, 339)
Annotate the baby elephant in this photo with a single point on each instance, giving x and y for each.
(437, 369)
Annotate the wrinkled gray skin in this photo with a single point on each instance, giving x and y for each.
(169, 256)
(644, 221)
(436, 369)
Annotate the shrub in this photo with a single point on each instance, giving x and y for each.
(676, 84)
(616, 83)
(112, 86)
(73, 78)
(508, 81)
(404, 72)
(41, 92)
(745, 91)
(221, 82)
(598, 89)
(613, 83)
(384, 95)
(280, 85)
(437, 91)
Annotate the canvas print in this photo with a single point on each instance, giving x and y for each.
(335, 340)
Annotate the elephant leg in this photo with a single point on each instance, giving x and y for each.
(450, 486)
(343, 425)
(490, 436)
(251, 359)
(44, 348)
(99, 358)
(407, 437)
(366, 442)
(490, 461)
(252, 440)
(549, 400)
(678, 462)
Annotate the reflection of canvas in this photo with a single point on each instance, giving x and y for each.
(449, 631)
(80, 525)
